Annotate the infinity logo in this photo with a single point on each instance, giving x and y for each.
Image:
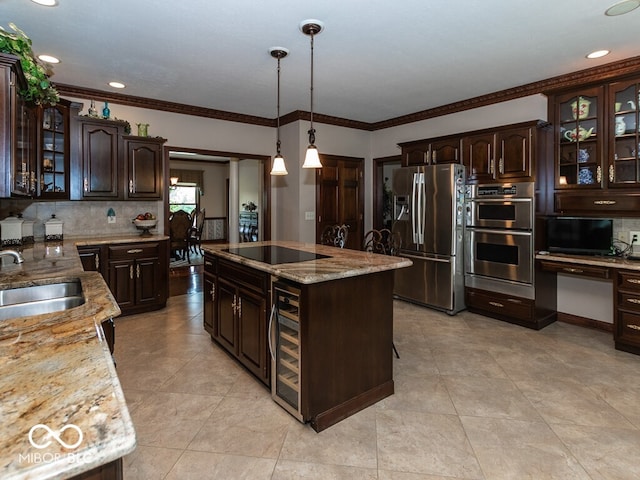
(56, 435)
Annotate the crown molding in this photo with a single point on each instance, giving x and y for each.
(599, 74)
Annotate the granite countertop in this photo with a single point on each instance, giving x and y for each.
(596, 261)
(342, 262)
(57, 371)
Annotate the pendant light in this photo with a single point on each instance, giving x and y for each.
(278, 167)
(311, 158)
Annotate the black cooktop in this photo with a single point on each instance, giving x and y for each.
(273, 254)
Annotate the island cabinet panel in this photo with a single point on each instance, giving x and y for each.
(235, 314)
(209, 295)
(346, 345)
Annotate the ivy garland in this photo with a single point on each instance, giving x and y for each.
(40, 90)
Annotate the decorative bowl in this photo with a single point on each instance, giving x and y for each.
(145, 225)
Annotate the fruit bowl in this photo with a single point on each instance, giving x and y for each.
(145, 226)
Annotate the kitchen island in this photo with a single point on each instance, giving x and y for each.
(58, 382)
(314, 323)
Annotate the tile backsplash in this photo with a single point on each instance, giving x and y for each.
(83, 218)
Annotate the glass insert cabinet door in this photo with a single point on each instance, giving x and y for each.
(53, 161)
(624, 156)
(579, 139)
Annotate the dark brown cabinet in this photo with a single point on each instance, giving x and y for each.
(235, 304)
(431, 152)
(96, 169)
(506, 154)
(17, 132)
(138, 275)
(596, 150)
(478, 156)
(93, 258)
(54, 146)
(144, 167)
(626, 329)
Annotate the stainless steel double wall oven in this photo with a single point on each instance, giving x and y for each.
(499, 238)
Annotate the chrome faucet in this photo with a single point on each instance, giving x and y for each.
(17, 258)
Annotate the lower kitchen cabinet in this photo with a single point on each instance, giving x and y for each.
(92, 258)
(521, 311)
(626, 331)
(138, 275)
(235, 314)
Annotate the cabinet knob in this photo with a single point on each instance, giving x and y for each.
(633, 300)
(612, 173)
(633, 280)
(573, 270)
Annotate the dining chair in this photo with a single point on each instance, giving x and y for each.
(179, 225)
(335, 235)
(195, 232)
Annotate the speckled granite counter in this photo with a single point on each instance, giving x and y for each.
(341, 263)
(608, 262)
(56, 370)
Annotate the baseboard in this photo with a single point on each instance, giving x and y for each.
(585, 322)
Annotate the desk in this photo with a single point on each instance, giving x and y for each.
(624, 274)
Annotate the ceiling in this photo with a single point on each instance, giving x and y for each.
(375, 59)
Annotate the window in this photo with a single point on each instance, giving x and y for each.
(184, 197)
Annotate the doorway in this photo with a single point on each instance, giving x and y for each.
(340, 197)
(209, 172)
(383, 169)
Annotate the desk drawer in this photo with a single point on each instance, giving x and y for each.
(628, 327)
(629, 282)
(575, 269)
(629, 301)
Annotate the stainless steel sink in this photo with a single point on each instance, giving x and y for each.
(39, 299)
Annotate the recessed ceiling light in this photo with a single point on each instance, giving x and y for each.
(620, 8)
(116, 84)
(46, 3)
(598, 54)
(49, 59)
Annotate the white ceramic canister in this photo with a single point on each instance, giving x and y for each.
(11, 230)
(27, 231)
(53, 229)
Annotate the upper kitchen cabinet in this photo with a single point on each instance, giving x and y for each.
(431, 152)
(53, 159)
(144, 167)
(504, 154)
(624, 157)
(579, 135)
(17, 132)
(96, 169)
(596, 150)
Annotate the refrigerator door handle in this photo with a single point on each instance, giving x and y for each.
(421, 208)
(414, 229)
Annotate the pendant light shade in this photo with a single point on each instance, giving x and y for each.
(278, 167)
(311, 159)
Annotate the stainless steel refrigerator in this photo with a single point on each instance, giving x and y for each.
(428, 207)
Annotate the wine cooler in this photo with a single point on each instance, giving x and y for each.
(284, 346)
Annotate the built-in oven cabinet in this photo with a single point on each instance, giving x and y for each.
(626, 329)
(505, 154)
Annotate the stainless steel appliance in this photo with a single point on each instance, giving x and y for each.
(284, 347)
(428, 215)
(499, 238)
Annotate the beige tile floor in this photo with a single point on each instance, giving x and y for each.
(475, 399)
